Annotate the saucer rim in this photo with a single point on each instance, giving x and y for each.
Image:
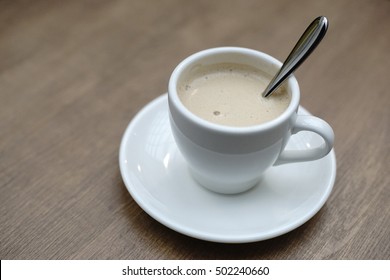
(198, 234)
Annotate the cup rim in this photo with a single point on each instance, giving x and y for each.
(292, 83)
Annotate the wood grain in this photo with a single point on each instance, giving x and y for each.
(74, 73)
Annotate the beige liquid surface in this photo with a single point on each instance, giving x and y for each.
(230, 94)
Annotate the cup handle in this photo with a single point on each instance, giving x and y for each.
(316, 125)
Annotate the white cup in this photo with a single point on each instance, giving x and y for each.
(231, 160)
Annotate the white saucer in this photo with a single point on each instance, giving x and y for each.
(157, 178)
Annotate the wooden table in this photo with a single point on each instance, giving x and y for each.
(74, 73)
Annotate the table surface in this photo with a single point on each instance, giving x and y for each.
(74, 73)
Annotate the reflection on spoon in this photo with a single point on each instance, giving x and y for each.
(304, 47)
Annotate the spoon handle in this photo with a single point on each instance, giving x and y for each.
(304, 47)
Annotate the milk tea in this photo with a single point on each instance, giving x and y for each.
(230, 94)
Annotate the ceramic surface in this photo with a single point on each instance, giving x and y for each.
(158, 179)
(228, 159)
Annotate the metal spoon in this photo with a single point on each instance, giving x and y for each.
(304, 47)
